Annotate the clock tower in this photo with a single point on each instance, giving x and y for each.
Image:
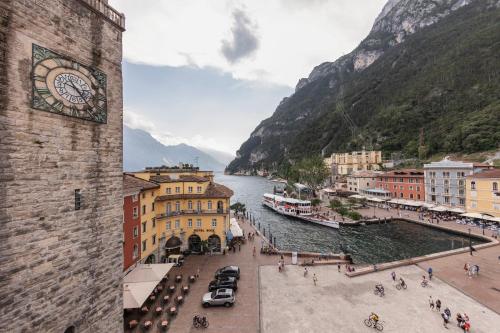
(60, 166)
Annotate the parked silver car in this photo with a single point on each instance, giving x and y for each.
(219, 297)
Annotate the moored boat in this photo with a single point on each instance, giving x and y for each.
(300, 209)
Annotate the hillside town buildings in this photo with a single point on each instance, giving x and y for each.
(346, 163)
(360, 180)
(445, 181)
(403, 184)
(483, 193)
(61, 209)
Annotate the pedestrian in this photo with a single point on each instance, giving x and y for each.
(393, 275)
(198, 272)
(234, 249)
(431, 303)
(239, 247)
(315, 279)
(305, 271)
(254, 251)
(338, 268)
(279, 266)
(438, 305)
(446, 319)
(466, 268)
(429, 271)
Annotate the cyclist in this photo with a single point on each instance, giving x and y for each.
(380, 288)
(374, 317)
(402, 282)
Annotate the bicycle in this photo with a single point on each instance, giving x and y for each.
(199, 321)
(379, 290)
(424, 283)
(375, 324)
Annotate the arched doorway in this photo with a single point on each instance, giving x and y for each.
(214, 243)
(220, 207)
(194, 243)
(173, 246)
(150, 259)
(70, 329)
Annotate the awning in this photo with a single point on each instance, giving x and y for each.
(328, 190)
(235, 228)
(412, 203)
(481, 216)
(357, 196)
(374, 199)
(135, 294)
(427, 205)
(140, 283)
(439, 209)
(456, 210)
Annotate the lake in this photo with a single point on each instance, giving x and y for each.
(369, 244)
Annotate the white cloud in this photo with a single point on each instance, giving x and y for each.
(292, 36)
(135, 120)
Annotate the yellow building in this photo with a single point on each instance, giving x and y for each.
(190, 210)
(346, 163)
(482, 193)
(148, 227)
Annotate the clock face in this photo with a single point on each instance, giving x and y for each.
(64, 86)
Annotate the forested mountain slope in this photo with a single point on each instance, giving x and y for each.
(427, 66)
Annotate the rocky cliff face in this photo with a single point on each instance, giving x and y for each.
(310, 117)
(398, 19)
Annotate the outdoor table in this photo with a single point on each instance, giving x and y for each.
(164, 323)
(148, 324)
(171, 289)
(192, 278)
(178, 278)
(158, 309)
(173, 310)
(166, 299)
(159, 288)
(179, 299)
(152, 297)
(185, 289)
(133, 323)
(144, 309)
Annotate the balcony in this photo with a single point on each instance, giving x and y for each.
(111, 14)
(192, 212)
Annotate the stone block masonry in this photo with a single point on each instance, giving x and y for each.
(59, 267)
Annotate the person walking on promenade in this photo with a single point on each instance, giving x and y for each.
(239, 247)
(338, 268)
(393, 275)
(279, 266)
(429, 271)
(198, 272)
(305, 271)
(315, 279)
(446, 319)
(431, 303)
(254, 251)
(438, 305)
(466, 268)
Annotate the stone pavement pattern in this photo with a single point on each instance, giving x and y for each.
(243, 317)
(291, 303)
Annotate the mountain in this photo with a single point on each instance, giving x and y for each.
(140, 150)
(428, 69)
(220, 156)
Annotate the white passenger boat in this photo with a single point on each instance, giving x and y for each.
(300, 209)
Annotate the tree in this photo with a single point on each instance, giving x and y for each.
(335, 203)
(312, 171)
(238, 207)
(315, 202)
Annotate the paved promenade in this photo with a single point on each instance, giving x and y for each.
(292, 303)
(244, 315)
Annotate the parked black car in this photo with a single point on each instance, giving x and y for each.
(227, 282)
(233, 271)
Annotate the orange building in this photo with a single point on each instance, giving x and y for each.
(403, 184)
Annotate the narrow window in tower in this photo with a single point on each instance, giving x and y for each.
(78, 199)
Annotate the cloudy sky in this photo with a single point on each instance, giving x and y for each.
(206, 72)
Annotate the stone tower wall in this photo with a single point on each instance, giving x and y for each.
(59, 266)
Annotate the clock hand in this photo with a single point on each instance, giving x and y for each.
(80, 94)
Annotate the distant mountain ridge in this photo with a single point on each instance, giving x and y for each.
(141, 150)
(424, 81)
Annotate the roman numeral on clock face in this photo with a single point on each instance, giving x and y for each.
(43, 91)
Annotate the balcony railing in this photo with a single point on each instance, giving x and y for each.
(109, 12)
(191, 212)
